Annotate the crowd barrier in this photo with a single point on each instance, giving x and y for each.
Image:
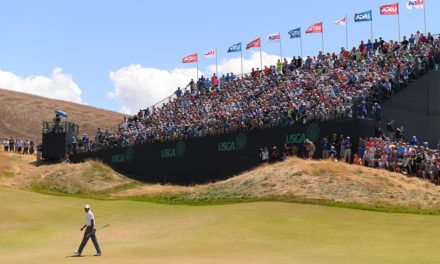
(214, 158)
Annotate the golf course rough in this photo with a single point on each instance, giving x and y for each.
(40, 228)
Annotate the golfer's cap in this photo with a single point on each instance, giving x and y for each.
(86, 206)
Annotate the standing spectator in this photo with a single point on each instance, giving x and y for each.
(5, 144)
(11, 144)
(39, 151)
(400, 132)
(310, 148)
(264, 155)
(275, 155)
(347, 150)
(414, 141)
(31, 147)
(178, 92)
(26, 147)
(391, 129)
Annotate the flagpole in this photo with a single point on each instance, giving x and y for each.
(301, 46)
(216, 66)
(197, 65)
(241, 51)
(398, 21)
(346, 31)
(371, 29)
(281, 51)
(261, 59)
(322, 40)
(424, 14)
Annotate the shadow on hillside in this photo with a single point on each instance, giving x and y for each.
(45, 162)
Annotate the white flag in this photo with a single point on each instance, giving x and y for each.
(342, 21)
(275, 37)
(415, 4)
(211, 53)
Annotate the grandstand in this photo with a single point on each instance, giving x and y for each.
(325, 94)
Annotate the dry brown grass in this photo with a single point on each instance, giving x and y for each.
(61, 177)
(311, 180)
(22, 115)
(5, 163)
(293, 179)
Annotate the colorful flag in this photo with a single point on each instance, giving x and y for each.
(363, 17)
(415, 4)
(256, 43)
(211, 53)
(235, 48)
(275, 37)
(342, 21)
(295, 33)
(392, 9)
(315, 28)
(190, 58)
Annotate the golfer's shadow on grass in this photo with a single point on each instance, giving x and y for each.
(75, 256)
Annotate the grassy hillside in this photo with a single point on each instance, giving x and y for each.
(22, 115)
(39, 228)
(295, 180)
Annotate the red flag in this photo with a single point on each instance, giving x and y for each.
(392, 9)
(315, 28)
(256, 43)
(190, 58)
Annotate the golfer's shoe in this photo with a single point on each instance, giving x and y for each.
(97, 254)
(76, 253)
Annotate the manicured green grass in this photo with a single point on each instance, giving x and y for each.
(39, 228)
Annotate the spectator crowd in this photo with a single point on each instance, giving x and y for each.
(19, 146)
(328, 86)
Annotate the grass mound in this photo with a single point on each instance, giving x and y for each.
(294, 180)
(322, 182)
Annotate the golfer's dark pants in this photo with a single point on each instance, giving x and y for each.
(89, 233)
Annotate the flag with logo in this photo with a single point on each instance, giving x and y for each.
(256, 43)
(342, 21)
(415, 4)
(295, 33)
(211, 53)
(363, 17)
(392, 9)
(235, 48)
(315, 28)
(190, 58)
(275, 37)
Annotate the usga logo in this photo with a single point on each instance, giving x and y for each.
(178, 151)
(238, 144)
(121, 158)
(168, 153)
(295, 138)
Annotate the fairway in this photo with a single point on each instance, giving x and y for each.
(39, 228)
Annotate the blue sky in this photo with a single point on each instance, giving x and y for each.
(122, 55)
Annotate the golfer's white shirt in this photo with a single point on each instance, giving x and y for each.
(89, 218)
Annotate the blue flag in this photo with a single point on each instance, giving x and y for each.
(235, 48)
(295, 33)
(363, 17)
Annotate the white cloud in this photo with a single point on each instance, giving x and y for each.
(58, 86)
(137, 87)
(234, 64)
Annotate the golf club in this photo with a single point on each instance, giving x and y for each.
(102, 227)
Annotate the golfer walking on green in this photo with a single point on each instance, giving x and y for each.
(89, 233)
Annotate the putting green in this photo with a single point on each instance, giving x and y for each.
(38, 228)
